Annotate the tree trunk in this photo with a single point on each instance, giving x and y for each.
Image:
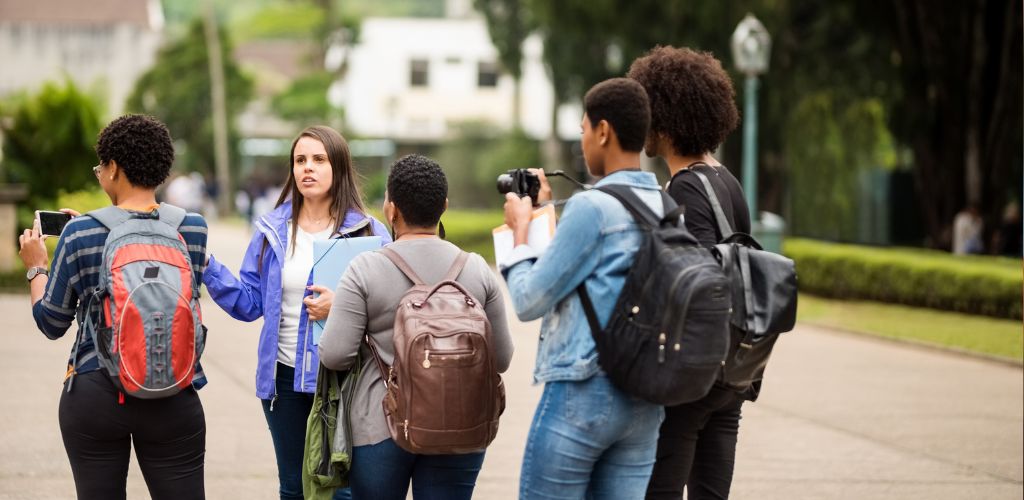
(972, 127)
(220, 120)
(517, 103)
(552, 152)
(961, 106)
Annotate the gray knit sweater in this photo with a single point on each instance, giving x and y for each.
(365, 301)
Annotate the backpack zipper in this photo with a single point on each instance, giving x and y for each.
(686, 307)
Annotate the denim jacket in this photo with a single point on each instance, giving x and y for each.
(595, 243)
(257, 293)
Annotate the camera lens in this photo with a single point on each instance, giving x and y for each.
(506, 184)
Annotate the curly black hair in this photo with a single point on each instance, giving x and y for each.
(623, 104)
(141, 146)
(692, 98)
(419, 188)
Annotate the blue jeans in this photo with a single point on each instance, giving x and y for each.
(589, 440)
(382, 471)
(286, 416)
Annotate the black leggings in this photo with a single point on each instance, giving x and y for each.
(697, 448)
(98, 431)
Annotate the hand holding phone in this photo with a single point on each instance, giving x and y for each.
(51, 223)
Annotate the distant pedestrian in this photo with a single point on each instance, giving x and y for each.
(967, 231)
(99, 425)
(321, 200)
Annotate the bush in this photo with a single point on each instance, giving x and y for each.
(14, 281)
(48, 140)
(989, 286)
(475, 156)
(471, 230)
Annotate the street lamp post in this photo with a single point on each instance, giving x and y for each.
(751, 48)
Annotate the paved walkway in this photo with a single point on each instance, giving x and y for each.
(841, 416)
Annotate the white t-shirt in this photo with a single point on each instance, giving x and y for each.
(294, 275)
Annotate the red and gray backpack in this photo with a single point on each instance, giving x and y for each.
(143, 317)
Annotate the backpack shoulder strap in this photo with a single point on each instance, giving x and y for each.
(402, 265)
(639, 210)
(634, 205)
(457, 266)
(110, 216)
(171, 215)
(723, 222)
(385, 370)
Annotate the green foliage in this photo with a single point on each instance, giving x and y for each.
(177, 91)
(83, 201)
(471, 230)
(981, 285)
(395, 8)
(979, 334)
(13, 281)
(295, 20)
(508, 22)
(305, 100)
(48, 142)
(475, 157)
(373, 187)
(828, 144)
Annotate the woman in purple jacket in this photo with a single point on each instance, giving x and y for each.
(321, 200)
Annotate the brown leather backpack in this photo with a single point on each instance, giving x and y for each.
(444, 395)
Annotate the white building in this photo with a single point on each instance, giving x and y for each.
(411, 79)
(99, 44)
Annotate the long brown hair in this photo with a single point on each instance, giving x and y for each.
(345, 192)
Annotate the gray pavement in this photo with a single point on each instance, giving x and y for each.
(841, 416)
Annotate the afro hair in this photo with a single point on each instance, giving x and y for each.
(692, 98)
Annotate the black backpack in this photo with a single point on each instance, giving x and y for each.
(764, 294)
(668, 336)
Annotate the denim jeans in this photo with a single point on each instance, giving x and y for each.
(382, 471)
(589, 440)
(286, 416)
(697, 448)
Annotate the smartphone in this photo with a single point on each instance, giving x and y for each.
(52, 223)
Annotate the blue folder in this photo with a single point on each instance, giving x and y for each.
(330, 259)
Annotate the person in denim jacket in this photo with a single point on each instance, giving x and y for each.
(320, 200)
(587, 437)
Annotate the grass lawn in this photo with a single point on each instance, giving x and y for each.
(996, 337)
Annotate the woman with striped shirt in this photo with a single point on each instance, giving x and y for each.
(97, 423)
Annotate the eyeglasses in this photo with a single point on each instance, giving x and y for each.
(96, 170)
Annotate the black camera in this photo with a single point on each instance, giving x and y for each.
(521, 182)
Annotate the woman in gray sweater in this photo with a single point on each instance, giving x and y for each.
(365, 302)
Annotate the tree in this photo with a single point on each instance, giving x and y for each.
(947, 77)
(960, 109)
(509, 23)
(48, 141)
(177, 91)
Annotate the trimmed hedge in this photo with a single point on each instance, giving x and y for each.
(467, 228)
(13, 281)
(471, 230)
(990, 286)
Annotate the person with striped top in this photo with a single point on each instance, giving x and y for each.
(98, 424)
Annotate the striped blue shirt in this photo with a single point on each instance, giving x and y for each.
(76, 268)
